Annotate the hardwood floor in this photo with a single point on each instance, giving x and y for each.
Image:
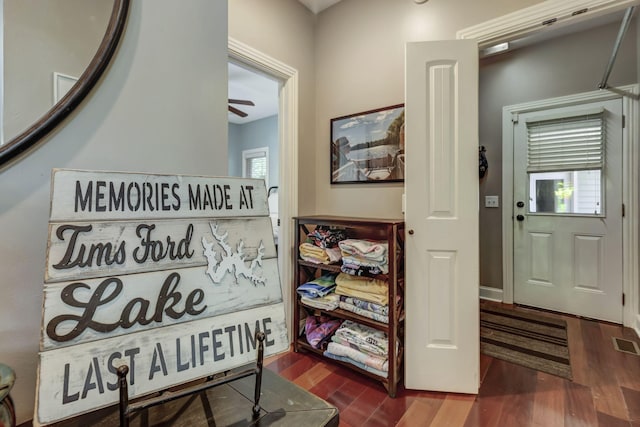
(605, 390)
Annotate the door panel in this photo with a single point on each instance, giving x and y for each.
(568, 233)
(441, 185)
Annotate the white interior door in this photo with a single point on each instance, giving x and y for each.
(568, 222)
(442, 347)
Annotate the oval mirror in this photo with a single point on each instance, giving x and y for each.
(38, 91)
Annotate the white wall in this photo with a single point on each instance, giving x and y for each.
(360, 66)
(284, 30)
(161, 107)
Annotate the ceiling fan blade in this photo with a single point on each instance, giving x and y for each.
(238, 112)
(241, 101)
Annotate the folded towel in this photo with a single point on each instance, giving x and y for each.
(373, 290)
(312, 253)
(319, 287)
(328, 302)
(367, 249)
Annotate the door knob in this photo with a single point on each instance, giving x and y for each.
(410, 231)
(520, 204)
(520, 217)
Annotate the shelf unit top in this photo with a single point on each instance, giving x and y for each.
(327, 219)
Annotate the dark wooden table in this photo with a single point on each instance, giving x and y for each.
(282, 404)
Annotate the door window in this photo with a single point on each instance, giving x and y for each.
(566, 192)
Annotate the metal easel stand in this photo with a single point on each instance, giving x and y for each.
(127, 410)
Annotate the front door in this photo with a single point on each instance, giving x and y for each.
(442, 347)
(568, 210)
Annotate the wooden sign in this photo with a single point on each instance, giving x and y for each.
(170, 275)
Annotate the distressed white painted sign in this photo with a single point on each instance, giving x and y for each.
(170, 275)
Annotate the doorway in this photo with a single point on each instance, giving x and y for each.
(496, 226)
(287, 77)
(567, 232)
(253, 135)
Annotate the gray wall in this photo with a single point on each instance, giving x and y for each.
(161, 107)
(256, 134)
(360, 47)
(561, 66)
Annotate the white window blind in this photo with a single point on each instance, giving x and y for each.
(569, 143)
(255, 163)
(257, 167)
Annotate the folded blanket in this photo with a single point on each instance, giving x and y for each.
(312, 253)
(325, 237)
(360, 270)
(319, 287)
(363, 336)
(366, 249)
(365, 265)
(366, 305)
(377, 362)
(364, 313)
(373, 290)
(328, 302)
(358, 364)
(318, 329)
(366, 349)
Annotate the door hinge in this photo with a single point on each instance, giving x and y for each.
(623, 210)
(624, 121)
(623, 300)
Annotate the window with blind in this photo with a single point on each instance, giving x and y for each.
(255, 164)
(565, 163)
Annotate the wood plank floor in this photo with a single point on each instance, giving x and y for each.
(605, 390)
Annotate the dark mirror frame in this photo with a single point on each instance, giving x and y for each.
(77, 93)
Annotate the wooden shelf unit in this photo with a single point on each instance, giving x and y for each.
(390, 231)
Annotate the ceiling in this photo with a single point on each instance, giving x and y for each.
(316, 6)
(252, 86)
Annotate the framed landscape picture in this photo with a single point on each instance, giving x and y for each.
(368, 147)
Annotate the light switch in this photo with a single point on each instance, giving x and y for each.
(491, 201)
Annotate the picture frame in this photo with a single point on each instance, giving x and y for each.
(368, 147)
(62, 83)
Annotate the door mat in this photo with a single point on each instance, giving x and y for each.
(527, 339)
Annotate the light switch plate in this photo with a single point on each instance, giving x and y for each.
(491, 201)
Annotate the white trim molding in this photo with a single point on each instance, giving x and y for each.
(491, 294)
(540, 17)
(288, 154)
(630, 188)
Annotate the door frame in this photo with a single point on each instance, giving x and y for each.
(630, 177)
(287, 156)
(526, 22)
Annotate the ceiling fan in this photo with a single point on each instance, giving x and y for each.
(236, 111)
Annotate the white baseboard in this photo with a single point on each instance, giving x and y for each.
(636, 325)
(492, 294)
